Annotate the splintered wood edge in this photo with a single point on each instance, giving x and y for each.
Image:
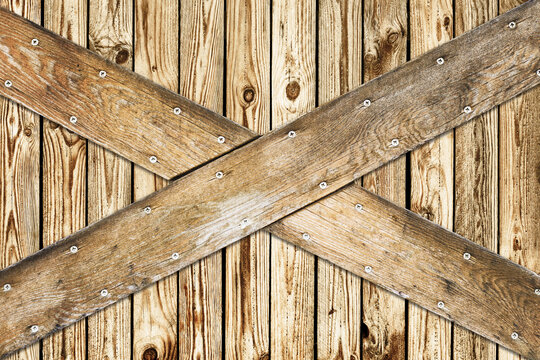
(143, 260)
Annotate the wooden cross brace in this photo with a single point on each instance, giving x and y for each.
(288, 180)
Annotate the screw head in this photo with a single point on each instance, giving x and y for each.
(221, 139)
(219, 174)
(102, 74)
(35, 42)
(323, 185)
(440, 305)
(440, 61)
(147, 210)
(467, 256)
(515, 335)
(73, 249)
(34, 329)
(368, 269)
(292, 134)
(104, 292)
(73, 119)
(175, 256)
(394, 142)
(8, 83)
(358, 207)
(512, 25)
(7, 287)
(153, 159)
(177, 111)
(537, 291)
(305, 236)
(467, 110)
(367, 103)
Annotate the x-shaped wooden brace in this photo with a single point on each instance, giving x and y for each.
(268, 180)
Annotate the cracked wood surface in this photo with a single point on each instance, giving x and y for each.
(423, 135)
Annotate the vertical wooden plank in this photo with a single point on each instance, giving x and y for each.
(201, 80)
(339, 293)
(19, 175)
(476, 147)
(109, 175)
(519, 179)
(293, 94)
(385, 44)
(430, 336)
(247, 286)
(64, 175)
(156, 57)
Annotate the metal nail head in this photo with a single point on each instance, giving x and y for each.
(35, 42)
(358, 207)
(34, 329)
(368, 269)
(367, 103)
(323, 185)
(73, 119)
(512, 25)
(467, 256)
(175, 256)
(73, 249)
(104, 292)
(394, 143)
(8, 83)
(292, 134)
(538, 72)
(177, 110)
(515, 335)
(221, 139)
(147, 210)
(440, 304)
(244, 223)
(219, 174)
(305, 236)
(153, 159)
(7, 287)
(102, 74)
(467, 110)
(440, 61)
(537, 291)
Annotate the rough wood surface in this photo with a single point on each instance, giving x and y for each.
(68, 74)
(519, 184)
(432, 179)
(201, 80)
(293, 94)
(64, 174)
(247, 285)
(155, 308)
(109, 176)
(19, 175)
(475, 208)
(383, 313)
(520, 66)
(339, 293)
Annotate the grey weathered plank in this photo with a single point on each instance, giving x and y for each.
(262, 194)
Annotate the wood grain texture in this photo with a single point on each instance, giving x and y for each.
(519, 183)
(383, 313)
(475, 192)
(155, 309)
(247, 285)
(339, 293)
(201, 80)
(505, 80)
(64, 174)
(19, 176)
(292, 269)
(432, 179)
(62, 73)
(109, 176)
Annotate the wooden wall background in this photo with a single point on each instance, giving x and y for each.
(264, 63)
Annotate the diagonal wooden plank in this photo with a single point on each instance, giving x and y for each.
(266, 198)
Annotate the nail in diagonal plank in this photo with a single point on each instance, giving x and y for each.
(193, 214)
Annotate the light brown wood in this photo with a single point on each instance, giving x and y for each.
(155, 309)
(19, 175)
(519, 184)
(476, 146)
(383, 313)
(432, 179)
(64, 175)
(339, 293)
(201, 80)
(109, 176)
(247, 283)
(520, 68)
(292, 269)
